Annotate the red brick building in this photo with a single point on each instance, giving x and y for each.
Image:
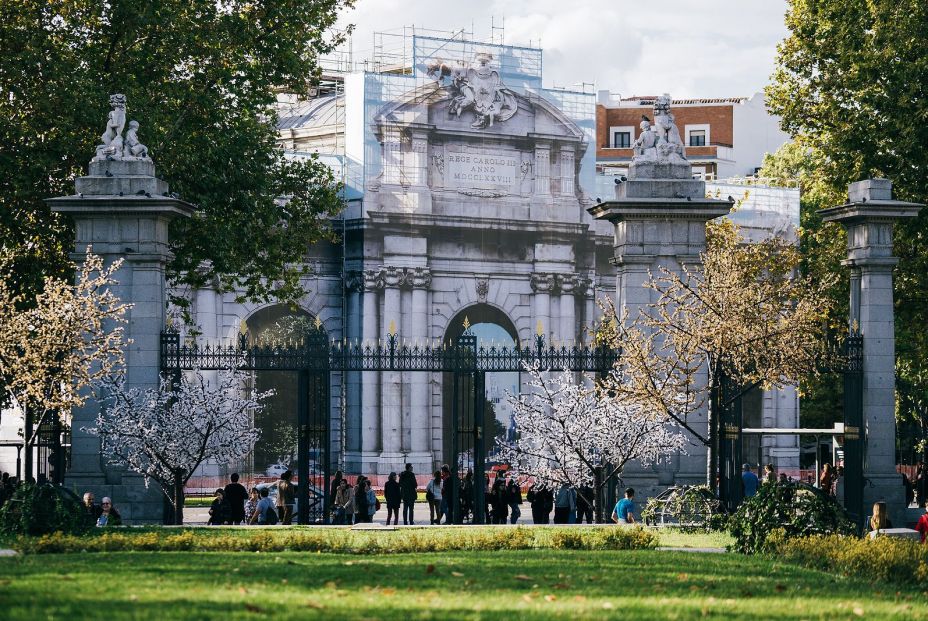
(723, 137)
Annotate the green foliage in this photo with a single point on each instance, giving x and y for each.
(898, 561)
(201, 77)
(782, 511)
(40, 509)
(849, 84)
(343, 541)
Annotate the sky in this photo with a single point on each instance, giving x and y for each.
(688, 48)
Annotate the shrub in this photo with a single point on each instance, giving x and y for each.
(42, 509)
(789, 510)
(888, 559)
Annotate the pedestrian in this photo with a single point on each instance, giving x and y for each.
(783, 478)
(584, 504)
(565, 504)
(251, 505)
(235, 495)
(109, 516)
(770, 476)
(467, 498)
(219, 510)
(447, 493)
(624, 511)
(285, 498)
(749, 481)
(93, 510)
(922, 526)
(514, 500)
(372, 503)
(498, 504)
(360, 500)
(433, 496)
(880, 518)
(266, 511)
(537, 498)
(343, 502)
(392, 494)
(826, 480)
(408, 490)
(921, 483)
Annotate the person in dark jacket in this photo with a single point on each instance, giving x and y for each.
(498, 505)
(467, 497)
(360, 500)
(585, 504)
(236, 495)
(408, 490)
(513, 500)
(392, 494)
(219, 510)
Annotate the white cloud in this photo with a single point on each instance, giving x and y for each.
(710, 48)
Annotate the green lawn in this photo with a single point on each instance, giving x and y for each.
(508, 585)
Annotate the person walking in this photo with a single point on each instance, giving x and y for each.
(922, 526)
(585, 504)
(372, 500)
(826, 480)
(565, 504)
(285, 498)
(360, 500)
(514, 500)
(498, 504)
(624, 512)
(433, 496)
(447, 494)
(770, 475)
(921, 483)
(408, 490)
(235, 495)
(266, 511)
(749, 481)
(392, 494)
(218, 510)
(467, 498)
(340, 502)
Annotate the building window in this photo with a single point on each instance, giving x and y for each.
(621, 140)
(698, 138)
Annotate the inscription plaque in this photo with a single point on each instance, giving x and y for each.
(482, 171)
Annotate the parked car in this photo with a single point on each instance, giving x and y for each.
(275, 470)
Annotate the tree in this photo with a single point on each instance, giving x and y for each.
(746, 316)
(55, 352)
(166, 433)
(201, 77)
(566, 432)
(850, 83)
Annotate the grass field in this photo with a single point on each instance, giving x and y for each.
(525, 584)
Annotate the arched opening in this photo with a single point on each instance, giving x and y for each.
(492, 327)
(276, 449)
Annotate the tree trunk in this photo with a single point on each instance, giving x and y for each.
(178, 498)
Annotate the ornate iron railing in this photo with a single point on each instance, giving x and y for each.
(317, 353)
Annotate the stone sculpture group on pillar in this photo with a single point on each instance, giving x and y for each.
(660, 141)
(114, 146)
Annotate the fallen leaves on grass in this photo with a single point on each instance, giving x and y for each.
(457, 574)
(522, 577)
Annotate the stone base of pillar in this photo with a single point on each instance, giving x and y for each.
(369, 462)
(136, 503)
(352, 462)
(422, 463)
(391, 462)
(889, 489)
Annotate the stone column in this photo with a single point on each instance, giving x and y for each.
(542, 285)
(391, 381)
(123, 211)
(420, 279)
(392, 155)
(869, 216)
(567, 283)
(354, 290)
(542, 170)
(370, 380)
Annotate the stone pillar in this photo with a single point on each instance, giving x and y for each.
(392, 155)
(370, 380)
(123, 211)
(542, 170)
(391, 381)
(567, 283)
(660, 217)
(420, 279)
(869, 216)
(542, 285)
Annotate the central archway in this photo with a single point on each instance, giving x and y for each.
(492, 327)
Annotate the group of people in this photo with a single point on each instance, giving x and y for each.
(916, 488)
(750, 482)
(234, 504)
(355, 504)
(103, 514)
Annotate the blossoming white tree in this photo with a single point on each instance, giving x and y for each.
(567, 430)
(166, 433)
(55, 348)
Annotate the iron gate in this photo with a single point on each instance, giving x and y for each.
(316, 358)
